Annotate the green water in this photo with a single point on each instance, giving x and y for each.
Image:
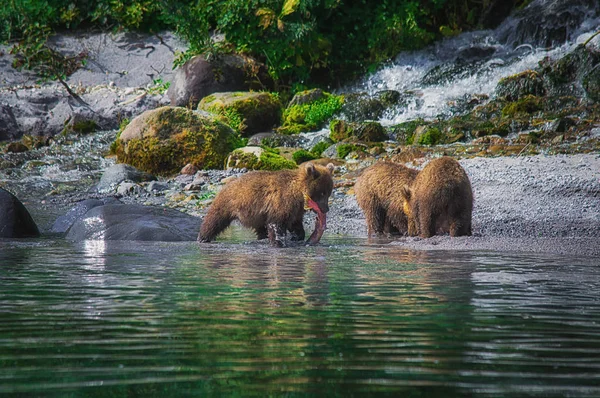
(342, 319)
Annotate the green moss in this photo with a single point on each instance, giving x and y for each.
(320, 147)
(175, 137)
(344, 149)
(432, 136)
(268, 160)
(303, 155)
(310, 116)
(340, 130)
(272, 161)
(525, 105)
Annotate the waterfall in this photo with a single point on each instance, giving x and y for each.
(467, 67)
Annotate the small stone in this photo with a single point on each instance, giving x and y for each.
(128, 189)
(558, 139)
(157, 186)
(189, 169)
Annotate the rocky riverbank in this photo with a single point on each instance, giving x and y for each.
(535, 199)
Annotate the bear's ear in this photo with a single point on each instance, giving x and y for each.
(330, 168)
(310, 170)
(405, 192)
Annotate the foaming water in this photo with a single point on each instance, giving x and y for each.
(344, 318)
(457, 69)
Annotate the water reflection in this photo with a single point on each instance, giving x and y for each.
(110, 318)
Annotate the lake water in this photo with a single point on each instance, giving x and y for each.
(346, 318)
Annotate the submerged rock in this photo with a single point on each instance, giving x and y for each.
(15, 220)
(134, 222)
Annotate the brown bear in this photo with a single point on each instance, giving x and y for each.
(376, 188)
(270, 202)
(439, 199)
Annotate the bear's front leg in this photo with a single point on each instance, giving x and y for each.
(297, 230)
(276, 234)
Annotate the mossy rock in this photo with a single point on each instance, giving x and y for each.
(306, 115)
(591, 85)
(526, 105)
(362, 106)
(163, 140)
(302, 155)
(256, 158)
(404, 132)
(427, 135)
(245, 112)
(520, 85)
(363, 131)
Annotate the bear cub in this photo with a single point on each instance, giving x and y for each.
(440, 199)
(376, 188)
(269, 202)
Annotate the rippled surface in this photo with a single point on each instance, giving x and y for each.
(342, 319)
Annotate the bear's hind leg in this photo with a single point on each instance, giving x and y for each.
(213, 224)
(261, 232)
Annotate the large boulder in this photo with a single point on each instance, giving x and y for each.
(363, 131)
(134, 222)
(309, 110)
(163, 140)
(246, 112)
(257, 158)
(15, 220)
(200, 77)
(64, 222)
(362, 106)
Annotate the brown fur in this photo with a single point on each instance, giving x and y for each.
(270, 202)
(440, 199)
(376, 188)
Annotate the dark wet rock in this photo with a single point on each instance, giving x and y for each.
(9, 128)
(134, 222)
(246, 112)
(118, 173)
(157, 186)
(475, 53)
(362, 106)
(591, 84)
(63, 223)
(571, 74)
(362, 131)
(520, 85)
(199, 77)
(16, 147)
(15, 220)
(496, 12)
(546, 23)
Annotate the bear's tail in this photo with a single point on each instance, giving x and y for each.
(213, 224)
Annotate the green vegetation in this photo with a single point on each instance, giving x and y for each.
(303, 155)
(320, 147)
(310, 116)
(303, 43)
(344, 149)
(269, 159)
(432, 136)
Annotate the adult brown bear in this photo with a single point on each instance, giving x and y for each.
(440, 199)
(271, 203)
(376, 188)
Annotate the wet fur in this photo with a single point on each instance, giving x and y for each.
(269, 202)
(376, 188)
(440, 199)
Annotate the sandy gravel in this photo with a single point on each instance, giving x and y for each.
(544, 204)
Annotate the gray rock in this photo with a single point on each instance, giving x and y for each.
(9, 128)
(199, 77)
(127, 188)
(134, 222)
(15, 220)
(157, 186)
(118, 173)
(63, 223)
